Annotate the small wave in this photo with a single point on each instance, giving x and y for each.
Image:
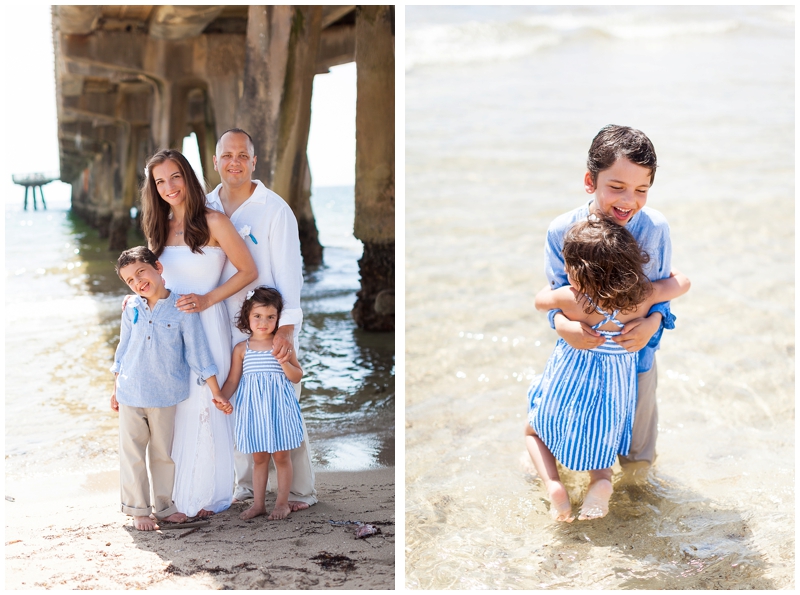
(631, 25)
(495, 40)
(669, 30)
(472, 42)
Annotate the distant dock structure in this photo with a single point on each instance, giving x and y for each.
(33, 182)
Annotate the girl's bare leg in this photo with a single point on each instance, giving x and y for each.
(595, 503)
(260, 474)
(283, 465)
(545, 463)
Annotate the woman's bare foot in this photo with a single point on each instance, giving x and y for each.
(595, 503)
(252, 512)
(560, 507)
(204, 514)
(280, 512)
(295, 505)
(175, 517)
(144, 523)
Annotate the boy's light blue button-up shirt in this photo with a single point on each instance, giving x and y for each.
(651, 231)
(156, 351)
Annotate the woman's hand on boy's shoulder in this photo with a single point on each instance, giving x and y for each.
(192, 303)
(126, 298)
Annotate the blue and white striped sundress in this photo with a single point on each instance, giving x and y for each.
(268, 417)
(582, 406)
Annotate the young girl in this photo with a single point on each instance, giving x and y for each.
(268, 419)
(582, 406)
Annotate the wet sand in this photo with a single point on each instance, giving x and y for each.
(82, 541)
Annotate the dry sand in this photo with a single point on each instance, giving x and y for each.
(86, 543)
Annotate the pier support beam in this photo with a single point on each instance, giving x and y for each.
(275, 107)
(374, 219)
(292, 174)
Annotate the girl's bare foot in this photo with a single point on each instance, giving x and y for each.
(280, 512)
(144, 523)
(295, 505)
(595, 503)
(252, 512)
(560, 507)
(175, 517)
(204, 514)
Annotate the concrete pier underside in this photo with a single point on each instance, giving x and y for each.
(131, 80)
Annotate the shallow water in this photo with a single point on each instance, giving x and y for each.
(502, 104)
(62, 325)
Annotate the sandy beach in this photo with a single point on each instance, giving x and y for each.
(84, 542)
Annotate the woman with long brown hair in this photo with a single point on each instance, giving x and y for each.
(193, 242)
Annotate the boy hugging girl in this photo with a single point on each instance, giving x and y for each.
(158, 346)
(610, 281)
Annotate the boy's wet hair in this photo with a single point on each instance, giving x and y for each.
(605, 262)
(138, 254)
(262, 296)
(613, 142)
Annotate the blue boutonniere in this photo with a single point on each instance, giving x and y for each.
(132, 303)
(245, 233)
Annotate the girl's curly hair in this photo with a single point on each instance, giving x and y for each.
(605, 263)
(262, 296)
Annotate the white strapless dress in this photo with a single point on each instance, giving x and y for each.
(202, 447)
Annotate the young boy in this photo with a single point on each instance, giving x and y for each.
(158, 346)
(621, 168)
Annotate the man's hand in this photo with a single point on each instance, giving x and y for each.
(282, 343)
(191, 302)
(114, 404)
(577, 334)
(638, 332)
(223, 404)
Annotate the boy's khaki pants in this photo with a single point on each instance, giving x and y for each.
(146, 431)
(645, 421)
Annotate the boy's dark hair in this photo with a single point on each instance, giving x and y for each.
(605, 263)
(262, 296)
(613, 142)
(138, 254)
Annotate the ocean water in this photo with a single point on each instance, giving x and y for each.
(62, 326)
(501, 106)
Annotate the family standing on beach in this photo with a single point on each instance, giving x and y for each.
(608, 265)
(207, 373)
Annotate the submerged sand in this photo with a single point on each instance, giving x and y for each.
(86, 543)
